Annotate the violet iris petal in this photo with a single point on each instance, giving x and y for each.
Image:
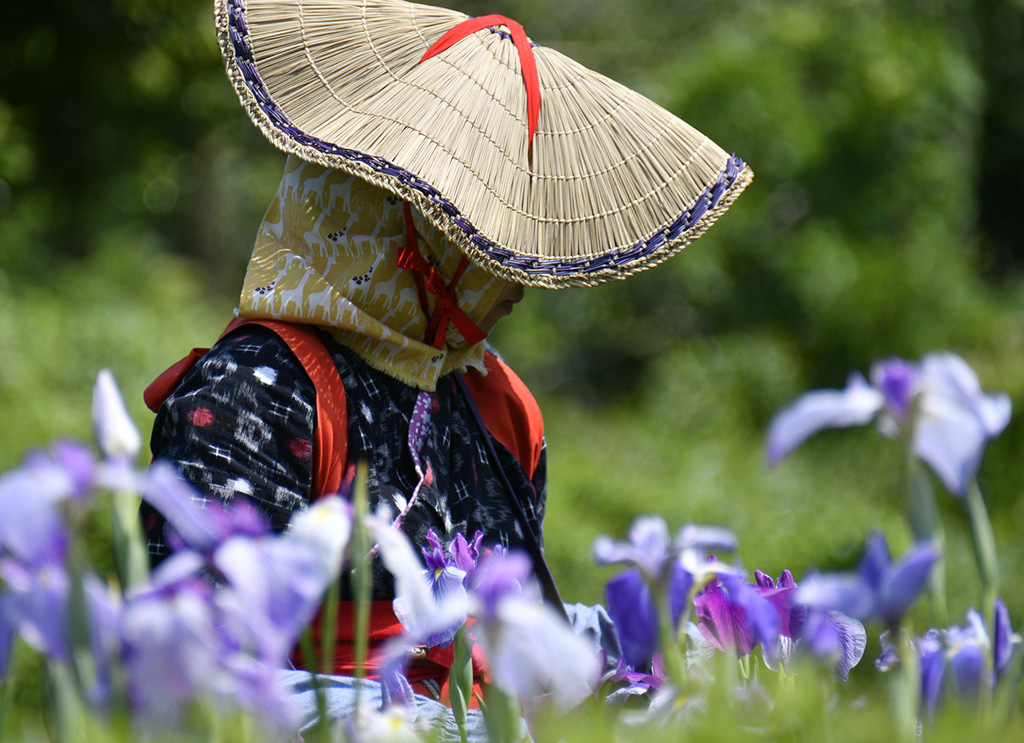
(445, 578)
(1004, 643)
(956, 419)
(948, 375)
(635, 615)
(836, 637)
(649, 547)
(32, 528)
(173, 649)
(896, 379)
(968, 667)
(498, 576)
(827, 635)
(880, 590)
(199, 522)
(6, 636)
(79, 464)
(531, 649)
(814, 411)
(933, 671)
(37, 600)
(534, 654)
(395, 687)
(466, 554)
(903, 582)
(705, 539)
(956, 658)
(279, 586)
(634, 683)
(632, 610)
(186, 641)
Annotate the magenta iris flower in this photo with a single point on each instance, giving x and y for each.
(938, 402)
(631, 683)
(826, 635)
(735, 616)
(879, 590)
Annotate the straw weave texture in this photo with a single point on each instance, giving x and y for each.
(612, 183)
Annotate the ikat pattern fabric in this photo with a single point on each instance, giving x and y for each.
(241, 424)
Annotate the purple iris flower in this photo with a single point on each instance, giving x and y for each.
(735, 616)
(634, 611)
(938, 401)
(879, 590)
(430, 603)
(36, 606)
(953, 658)
(659, 566)
(32, 496)
(186, 640)
(116, 434)
(630, 682)
(500, 575)
(963, 660)
(532, 652)
(445, 576)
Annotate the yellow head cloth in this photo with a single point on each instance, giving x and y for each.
(326, 255)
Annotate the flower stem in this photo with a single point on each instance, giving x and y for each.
(926, 526)
(5, 703)
(669, 640)
(984, 543)
(906, 689)
(362, 568)
(322, 730)
(130, 558)
(460, 680)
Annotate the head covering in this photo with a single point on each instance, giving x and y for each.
(538, 169)
(327, 254)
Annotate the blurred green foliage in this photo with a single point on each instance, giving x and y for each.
(887, 140)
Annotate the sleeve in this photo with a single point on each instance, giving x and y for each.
(240, 424)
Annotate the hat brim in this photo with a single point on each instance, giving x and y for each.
(612, 183)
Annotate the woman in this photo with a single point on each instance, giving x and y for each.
(438, 164)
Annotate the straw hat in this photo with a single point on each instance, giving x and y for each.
(541, 170)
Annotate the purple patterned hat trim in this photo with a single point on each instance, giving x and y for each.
(622, 258)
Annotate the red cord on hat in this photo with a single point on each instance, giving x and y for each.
(526, 59)
(429, 279)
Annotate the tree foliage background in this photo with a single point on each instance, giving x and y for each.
(887, 140)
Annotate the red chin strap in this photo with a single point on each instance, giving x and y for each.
(527, 62)
(428, 279)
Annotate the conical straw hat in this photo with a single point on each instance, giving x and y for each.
(588, 183)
